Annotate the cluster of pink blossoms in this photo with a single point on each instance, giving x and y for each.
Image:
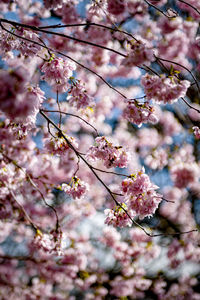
(140, 195)
(49, 243)
(25, 47)
(29, 105)
(118, 216)
(112, 156)
(57, 73)
(116, 7)
(12, 83)
(19, 101)
(139, 113)
(138, 54)
(184, 174)
(58, 145)
(158, 159)
(53, 4)
(140, 198)
(184, 170)
(76, 189)
(9, 42)
(68, 12)
(79, 97)
(164, 89)
(196, 132)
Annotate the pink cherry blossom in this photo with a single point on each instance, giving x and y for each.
(116, 7)
(117, 217)
(57, 73)
(137, 8)
(53, 4)
(158, 159)
(77, 188)
(163, 89)
(68, 12)
(59, 145)
(196, 132)
(138, 54)
(79, 96)
(73, 223)
(112, 156)
(140, 194)
(19, 101)
(184, 174)
(139, 113)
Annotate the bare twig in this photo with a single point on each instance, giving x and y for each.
(57, 101)
(173, 234)
(24, 211)
(190, 6)
(22, 258)
(108, 17)
(88, 24)
(189, 105)
(161, 11)
(110, 172)
(145, 67)
(62, 35)
(77, 169)
(73, 115)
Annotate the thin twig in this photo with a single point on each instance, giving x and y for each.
(24, 211)
(110, 172)
(67, 56)
(43, 198)
(175, 233)
(62, 35)
(189, 105)
(77, 169)
(171, 201)
(57, 101)
(49, 130)
(117, 194)
(23, 258)
(180, 65)
(73, 115)
(161, 11)
(88, 24)
(190, 6)
(108, 17)
(150, 69)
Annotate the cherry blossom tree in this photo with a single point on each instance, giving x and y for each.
(99, 149)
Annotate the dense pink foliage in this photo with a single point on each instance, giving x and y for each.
(113, 156)
(140, 194)
(99, 149)
(57, 72)
(140, 113)
(162, 89)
